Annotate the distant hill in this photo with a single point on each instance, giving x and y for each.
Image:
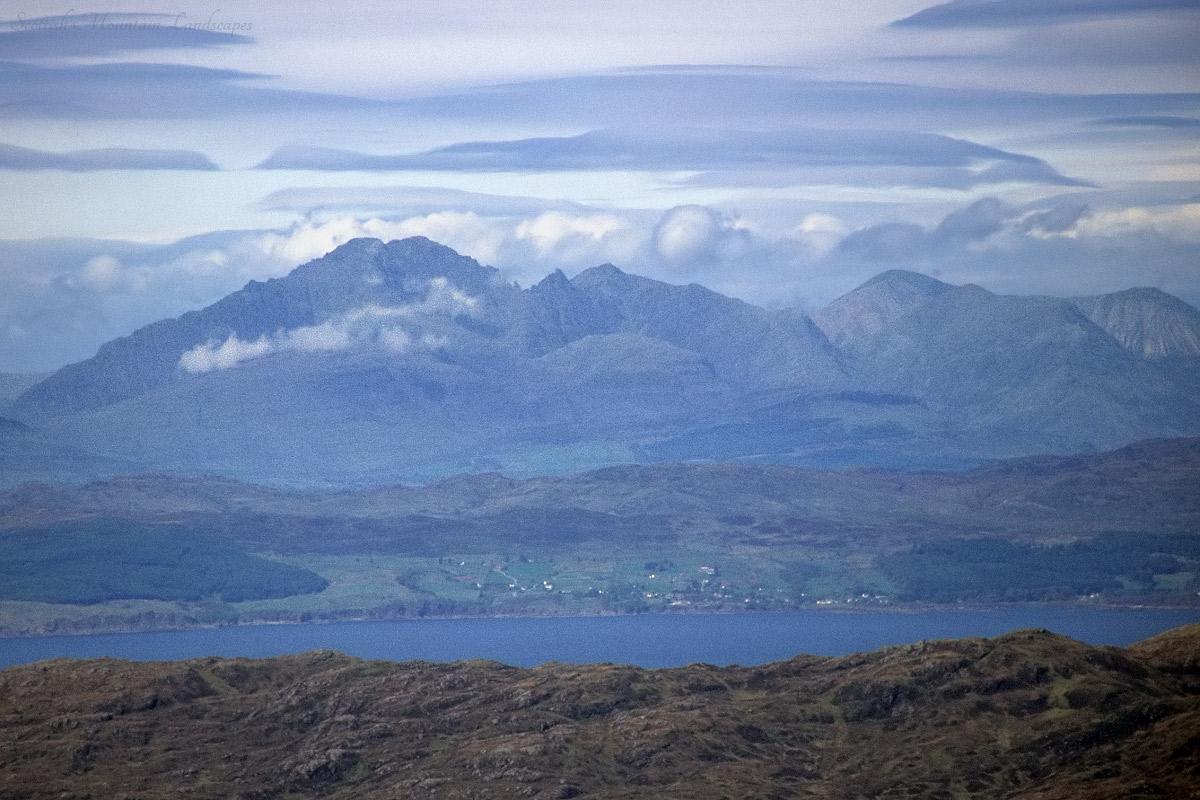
(1028, 714)
(407, 361)
(33, 455)
(1148, 322)
(13, 384)
(1115, 528)
(1147, 486)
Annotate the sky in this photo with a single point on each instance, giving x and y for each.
(154, 158)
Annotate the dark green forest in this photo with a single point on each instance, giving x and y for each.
(998, 570)
(94, 560)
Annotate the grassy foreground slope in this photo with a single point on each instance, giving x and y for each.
(1029, 714)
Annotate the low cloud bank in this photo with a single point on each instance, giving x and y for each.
(66, 297)
(398, 329)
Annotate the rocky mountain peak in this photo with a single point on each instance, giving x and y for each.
(606, 277)
(554, 283)
(1146, 321)
(906, 280)
(872, 307)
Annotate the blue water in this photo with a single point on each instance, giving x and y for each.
(648, 640)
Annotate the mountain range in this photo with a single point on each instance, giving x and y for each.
(405, 361)
(1027, 714)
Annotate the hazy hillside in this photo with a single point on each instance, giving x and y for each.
(405, 361)
(13, 384)
(1146, 486)
(1028, 714)
(1114, 528)
(1147, 322)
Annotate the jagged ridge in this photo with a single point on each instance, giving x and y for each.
(406, 361)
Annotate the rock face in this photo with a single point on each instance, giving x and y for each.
(1148, 322)
(874, 307)
(419, 278)
(406, 361)
(360, 273)
(1028, 714)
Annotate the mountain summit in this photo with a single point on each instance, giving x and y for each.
(1148, 322)
(405, 360)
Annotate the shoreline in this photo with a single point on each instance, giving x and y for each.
(843, 608)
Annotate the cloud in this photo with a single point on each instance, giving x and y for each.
(1179, 223)
(107, 33)
(550, 230)
(1064, 248)
(233, 351)
(465, 231)
(985, 173)
(394, 328)
(886, 242)
(753, 98)
(1057, 220)
(1161, 121)
(975, 222)
(23, 158)
(762, 98)
(1111, 45)
(1019, 13)
(781, 155)
(153, 91)
(963, 228)
(63, 298)
(664, 149)
(695, 235)
(394, 200)
(326, 337)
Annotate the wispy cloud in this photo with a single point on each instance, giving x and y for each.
(410, 200)
(705, 149)
(760, 98)
(108, 33)
(665, 149)
(1060, 248)
(143, 91)
(752, 99)
(1019, 13)
(24, 158)
(1184, 123)
(233, 351)
(397, 329)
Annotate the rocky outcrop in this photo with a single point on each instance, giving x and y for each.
(1027, 714)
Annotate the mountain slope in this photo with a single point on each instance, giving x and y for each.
(1035, 368)
(405, 361)
(873, 307)
(749, 345)
(1028, 714)
(1148, 322)
(1146, 487)
(360, 273)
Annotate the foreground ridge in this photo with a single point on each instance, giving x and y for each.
(1028, 714)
